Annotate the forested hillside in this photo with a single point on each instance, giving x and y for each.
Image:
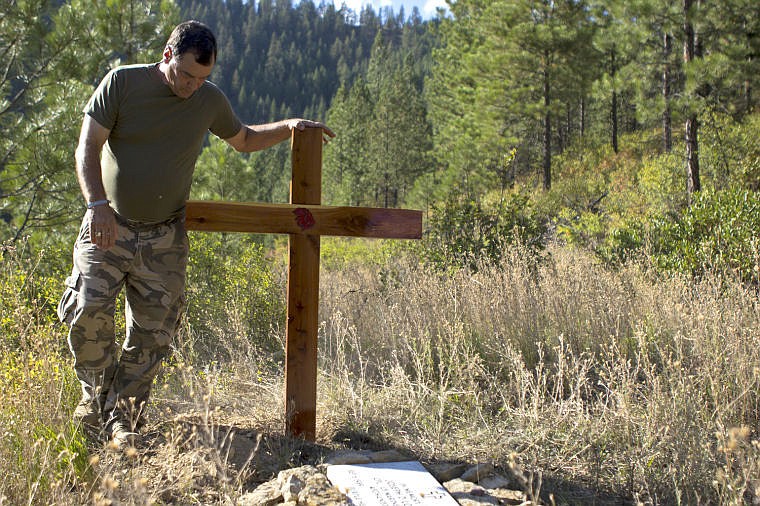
(621, 126)
(599, 122)
(278, 60)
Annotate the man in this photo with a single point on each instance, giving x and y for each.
(142, 132)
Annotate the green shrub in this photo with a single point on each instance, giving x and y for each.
(718, 231)
(622, 242)
(662, 184)
(596, 201)
(464, 233)
(41, 450)
(232, 293)
(612, 238)
(342, 252)
(730, 152)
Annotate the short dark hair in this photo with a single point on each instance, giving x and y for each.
(193, 37)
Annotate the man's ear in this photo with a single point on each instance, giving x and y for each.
(168, 54)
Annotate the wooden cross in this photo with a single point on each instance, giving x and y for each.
(305, 220)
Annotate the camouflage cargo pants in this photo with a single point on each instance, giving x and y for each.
(150, 262)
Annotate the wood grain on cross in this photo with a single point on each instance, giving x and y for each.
(305, 220)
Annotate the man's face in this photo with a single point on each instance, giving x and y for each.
(184, 74)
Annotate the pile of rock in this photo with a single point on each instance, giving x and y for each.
(304, 485)
(470, 485)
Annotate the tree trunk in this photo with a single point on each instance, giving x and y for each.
(613, 71)
(547, 129)
(667, 127)
(748, 96)
(692, 156)
(583, 116)
(690, 46)
(748, 82)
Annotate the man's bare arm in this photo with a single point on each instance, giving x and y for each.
(258, 137)
(92, 137)
(102, 222)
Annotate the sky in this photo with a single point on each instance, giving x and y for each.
(427, 7)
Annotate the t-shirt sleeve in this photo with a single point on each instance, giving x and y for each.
(226, 124)
(103, 105)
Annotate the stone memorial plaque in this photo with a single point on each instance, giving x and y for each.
(389, 484)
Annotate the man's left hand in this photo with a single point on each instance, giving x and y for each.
(302, 124)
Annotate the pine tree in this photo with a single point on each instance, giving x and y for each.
(692, 51)
(400, 135)
(346, 159)
(53, 57)
(508, 66)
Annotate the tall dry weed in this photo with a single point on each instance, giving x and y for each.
(44, 458)
(582, 380)
(610, 379)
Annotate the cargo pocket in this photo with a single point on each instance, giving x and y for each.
(68, 303)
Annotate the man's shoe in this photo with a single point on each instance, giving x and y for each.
(87, 414)
(122, 434)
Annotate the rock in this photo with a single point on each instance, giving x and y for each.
(388, 456)
(319, 492)
(477, 472)
(302, 473)
(308, 485)
(495, 481)
(300, 486)
(349, 457)
(507, 496)
(468, 494)
(445, 472)
(266, 494)
(458, 485)
(291, 487)
(292, 481)
(472, 500)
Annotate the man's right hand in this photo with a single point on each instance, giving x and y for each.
(102, 226)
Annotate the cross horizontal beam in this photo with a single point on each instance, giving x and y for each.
(260, 218)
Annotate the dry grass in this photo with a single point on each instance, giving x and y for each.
(612, 381)
(597, 385)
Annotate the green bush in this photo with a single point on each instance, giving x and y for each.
(622, 242)
(337, 253)
(662, 183)
(610, 218)
(232, 294)
(42, 452)
(718, 231)
(612, 238)
(730, 152)
(465, 233)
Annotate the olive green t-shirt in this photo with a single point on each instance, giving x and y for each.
(156, 137)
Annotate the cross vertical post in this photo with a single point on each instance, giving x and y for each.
(303, 289)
